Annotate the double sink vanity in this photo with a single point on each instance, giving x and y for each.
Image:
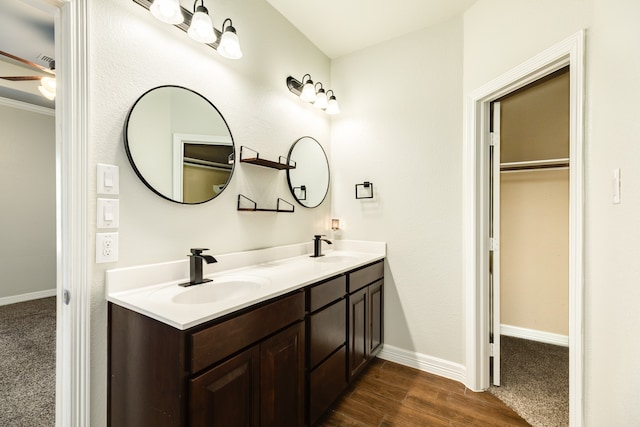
(272, 340)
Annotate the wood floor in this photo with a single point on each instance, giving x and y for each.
(388, 394)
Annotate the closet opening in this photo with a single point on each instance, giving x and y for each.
(529, 251)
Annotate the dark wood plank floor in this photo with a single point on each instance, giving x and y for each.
(388, 394)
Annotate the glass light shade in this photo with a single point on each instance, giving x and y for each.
(332, 107)
(167, 11)
(335, 224)
(201, 28)
(230, 44)
(321, 99)
(308, 92)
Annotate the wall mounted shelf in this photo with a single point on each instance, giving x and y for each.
(288, 207)
(255, 159)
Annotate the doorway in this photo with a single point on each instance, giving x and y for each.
(569, 52)
(529, 259)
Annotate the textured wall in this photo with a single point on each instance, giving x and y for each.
(401, 128)
(131, 52)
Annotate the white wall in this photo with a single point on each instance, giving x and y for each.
(400, 127)
(28, 190)
(499, 35)
(132, 52)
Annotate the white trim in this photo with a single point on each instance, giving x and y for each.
(534, 335)
(27, 297)
(568, 52)
(73, 264)
(432, 365)
(12, 103)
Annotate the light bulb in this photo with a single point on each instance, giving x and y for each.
(201, 28)
(167, 11)
(230, 44)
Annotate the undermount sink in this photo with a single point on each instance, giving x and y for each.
(220, 289)
(336, 258)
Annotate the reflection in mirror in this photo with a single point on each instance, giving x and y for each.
(309, 181)
(179, 145)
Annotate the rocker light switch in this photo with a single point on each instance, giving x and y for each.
(108, 211)
(108, 181)
(616, 186)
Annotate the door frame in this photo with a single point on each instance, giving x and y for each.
(476, 201)
(72, 225)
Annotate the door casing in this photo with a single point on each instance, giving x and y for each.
(569, 52)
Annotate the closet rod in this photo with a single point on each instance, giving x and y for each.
(535, 164)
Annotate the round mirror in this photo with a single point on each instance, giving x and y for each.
(309, 181)
(179, 145)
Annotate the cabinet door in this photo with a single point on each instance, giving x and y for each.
(227, 395)
(358, 331)
(282, 378)
(376, 300)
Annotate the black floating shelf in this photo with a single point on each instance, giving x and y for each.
(281, 164)
(288, 207)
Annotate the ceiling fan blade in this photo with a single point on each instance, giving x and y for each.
(29, 63)
(21, 78)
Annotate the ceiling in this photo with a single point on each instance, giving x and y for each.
(336, 27)
(339, 27)
(28, 33)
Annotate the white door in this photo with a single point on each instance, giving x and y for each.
(494, 244)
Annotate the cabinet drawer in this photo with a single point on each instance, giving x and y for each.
(324, 293)
(327, 331)
(219, 341)
(327, 382)
(365, 276)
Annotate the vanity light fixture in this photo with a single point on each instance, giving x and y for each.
(335, 224)
(201, 28)
(306, 90)
(167, 11)
(197, 25)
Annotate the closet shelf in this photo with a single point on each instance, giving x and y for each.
(288, 207)
(255, 159)
(534, 164)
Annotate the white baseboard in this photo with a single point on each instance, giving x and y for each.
(533, 335)
(432, 365)
(27, 297)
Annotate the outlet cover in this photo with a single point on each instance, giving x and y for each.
(106, 247)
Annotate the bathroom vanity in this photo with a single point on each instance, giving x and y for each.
(277, 355)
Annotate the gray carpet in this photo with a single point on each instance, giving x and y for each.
(535, 381)
(27, 363)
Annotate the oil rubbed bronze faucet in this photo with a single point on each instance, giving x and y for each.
(317, 245)
(195, 266)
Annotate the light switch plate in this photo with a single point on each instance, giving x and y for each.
(616, 186)
(108, 179)
(106, 247)
(108, 213)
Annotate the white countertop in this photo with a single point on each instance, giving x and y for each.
(153, 290)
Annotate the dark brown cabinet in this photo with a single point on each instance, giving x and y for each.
(327, 338)
(227, 395)
(365, 316)
(278, 363)
(246, 369)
